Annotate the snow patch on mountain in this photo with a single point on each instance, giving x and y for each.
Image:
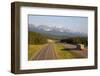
(54, 30)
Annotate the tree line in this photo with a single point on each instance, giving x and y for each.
(36, 38)
(76, 40)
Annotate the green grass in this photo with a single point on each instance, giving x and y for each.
(65, 54)
(33, 50)
(61, 52)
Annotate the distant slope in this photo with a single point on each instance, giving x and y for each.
(36, 38)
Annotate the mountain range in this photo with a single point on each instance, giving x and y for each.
(54, 30)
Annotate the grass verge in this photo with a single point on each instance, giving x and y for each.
(33, 50)
(65, 54)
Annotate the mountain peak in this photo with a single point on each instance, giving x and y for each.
(54, 30)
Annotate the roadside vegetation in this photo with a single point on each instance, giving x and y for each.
(36, 42)
(33, 50)
(63, 53)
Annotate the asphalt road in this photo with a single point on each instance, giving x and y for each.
(47, 53)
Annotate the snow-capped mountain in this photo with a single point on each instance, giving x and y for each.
(54, 30)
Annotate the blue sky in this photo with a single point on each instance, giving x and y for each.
(75, 24)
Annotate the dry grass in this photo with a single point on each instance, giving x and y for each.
(33, 50)
(65, 54)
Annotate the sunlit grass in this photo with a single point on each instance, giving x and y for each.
(65, 54)
(33, 50)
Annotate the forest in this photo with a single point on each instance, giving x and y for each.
(36, 38)
(76, 40)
